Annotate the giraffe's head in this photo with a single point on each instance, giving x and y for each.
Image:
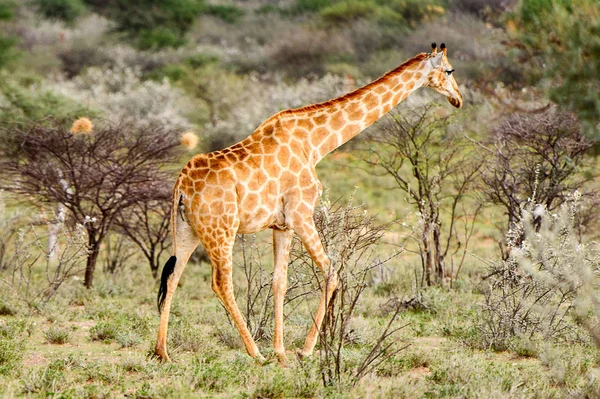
(441, 76)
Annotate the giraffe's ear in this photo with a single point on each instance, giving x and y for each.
(436, 60)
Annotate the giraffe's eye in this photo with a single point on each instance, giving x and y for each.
(449, 72)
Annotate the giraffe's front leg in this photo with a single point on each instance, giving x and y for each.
(282, 240)
(310, 238)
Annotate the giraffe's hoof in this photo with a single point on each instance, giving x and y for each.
(282, 359)
(260, 359)
(301, 355)
(162, 355)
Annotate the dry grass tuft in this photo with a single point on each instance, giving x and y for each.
(189, 140)
(82, 125)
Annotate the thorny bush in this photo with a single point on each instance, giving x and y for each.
(548, 287)
(350, 236)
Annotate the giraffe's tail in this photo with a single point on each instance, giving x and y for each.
(162, 290)
(169, 267)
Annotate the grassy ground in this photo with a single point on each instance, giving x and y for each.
(98, 343)
(110, 331)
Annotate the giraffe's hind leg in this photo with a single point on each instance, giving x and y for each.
(186, 244)
(282, 240)
(220, 253)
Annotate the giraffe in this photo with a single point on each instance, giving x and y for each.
(268, 180)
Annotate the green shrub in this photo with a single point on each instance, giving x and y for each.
(7, 9)
(216, 374)
(349, 10)
(154, 23)
(227, 13)
(159, 38)
(105, 332)
(303, 6)
(23, 103)
(6, 309)
(558, 40)
(47, 379)
(57, 335)
(7, 43)
(11, 355)
(128, 339)
(12, 347)
(125, 330)
(388, 12)
(64, 10)
(268, 9)
(415, 11)
(201, 60)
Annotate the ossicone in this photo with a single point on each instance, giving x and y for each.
(443, 48)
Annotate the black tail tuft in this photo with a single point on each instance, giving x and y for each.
(162, 290)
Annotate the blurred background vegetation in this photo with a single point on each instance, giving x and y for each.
(519, 161)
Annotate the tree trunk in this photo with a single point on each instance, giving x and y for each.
(90, 266)
(427, 253)
(154, 264)
(439, 261)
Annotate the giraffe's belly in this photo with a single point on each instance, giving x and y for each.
(259, 210)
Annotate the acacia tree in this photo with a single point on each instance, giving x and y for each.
(146, 224)
(434, 165)
(532, 157)
(95, 176)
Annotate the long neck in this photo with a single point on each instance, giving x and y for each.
(333, 123)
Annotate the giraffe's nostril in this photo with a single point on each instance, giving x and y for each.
(455, 102)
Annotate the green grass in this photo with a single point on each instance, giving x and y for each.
(98, 343)
(209, 359)
(108, 334)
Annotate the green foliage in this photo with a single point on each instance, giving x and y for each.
(49, 378)
(7, 43)
(126, 330)
(415, 11)
(7, 9)
(158, 38)
(562, 40)
(105, 332)
(403, 12)
(22, 103)
(7, 50)
(12, 346)
(57, 335)
(6, 309)
(227, 13)
(65, 10)
(348, 10)
(268, 9)
(155, 24)
(303, 6)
